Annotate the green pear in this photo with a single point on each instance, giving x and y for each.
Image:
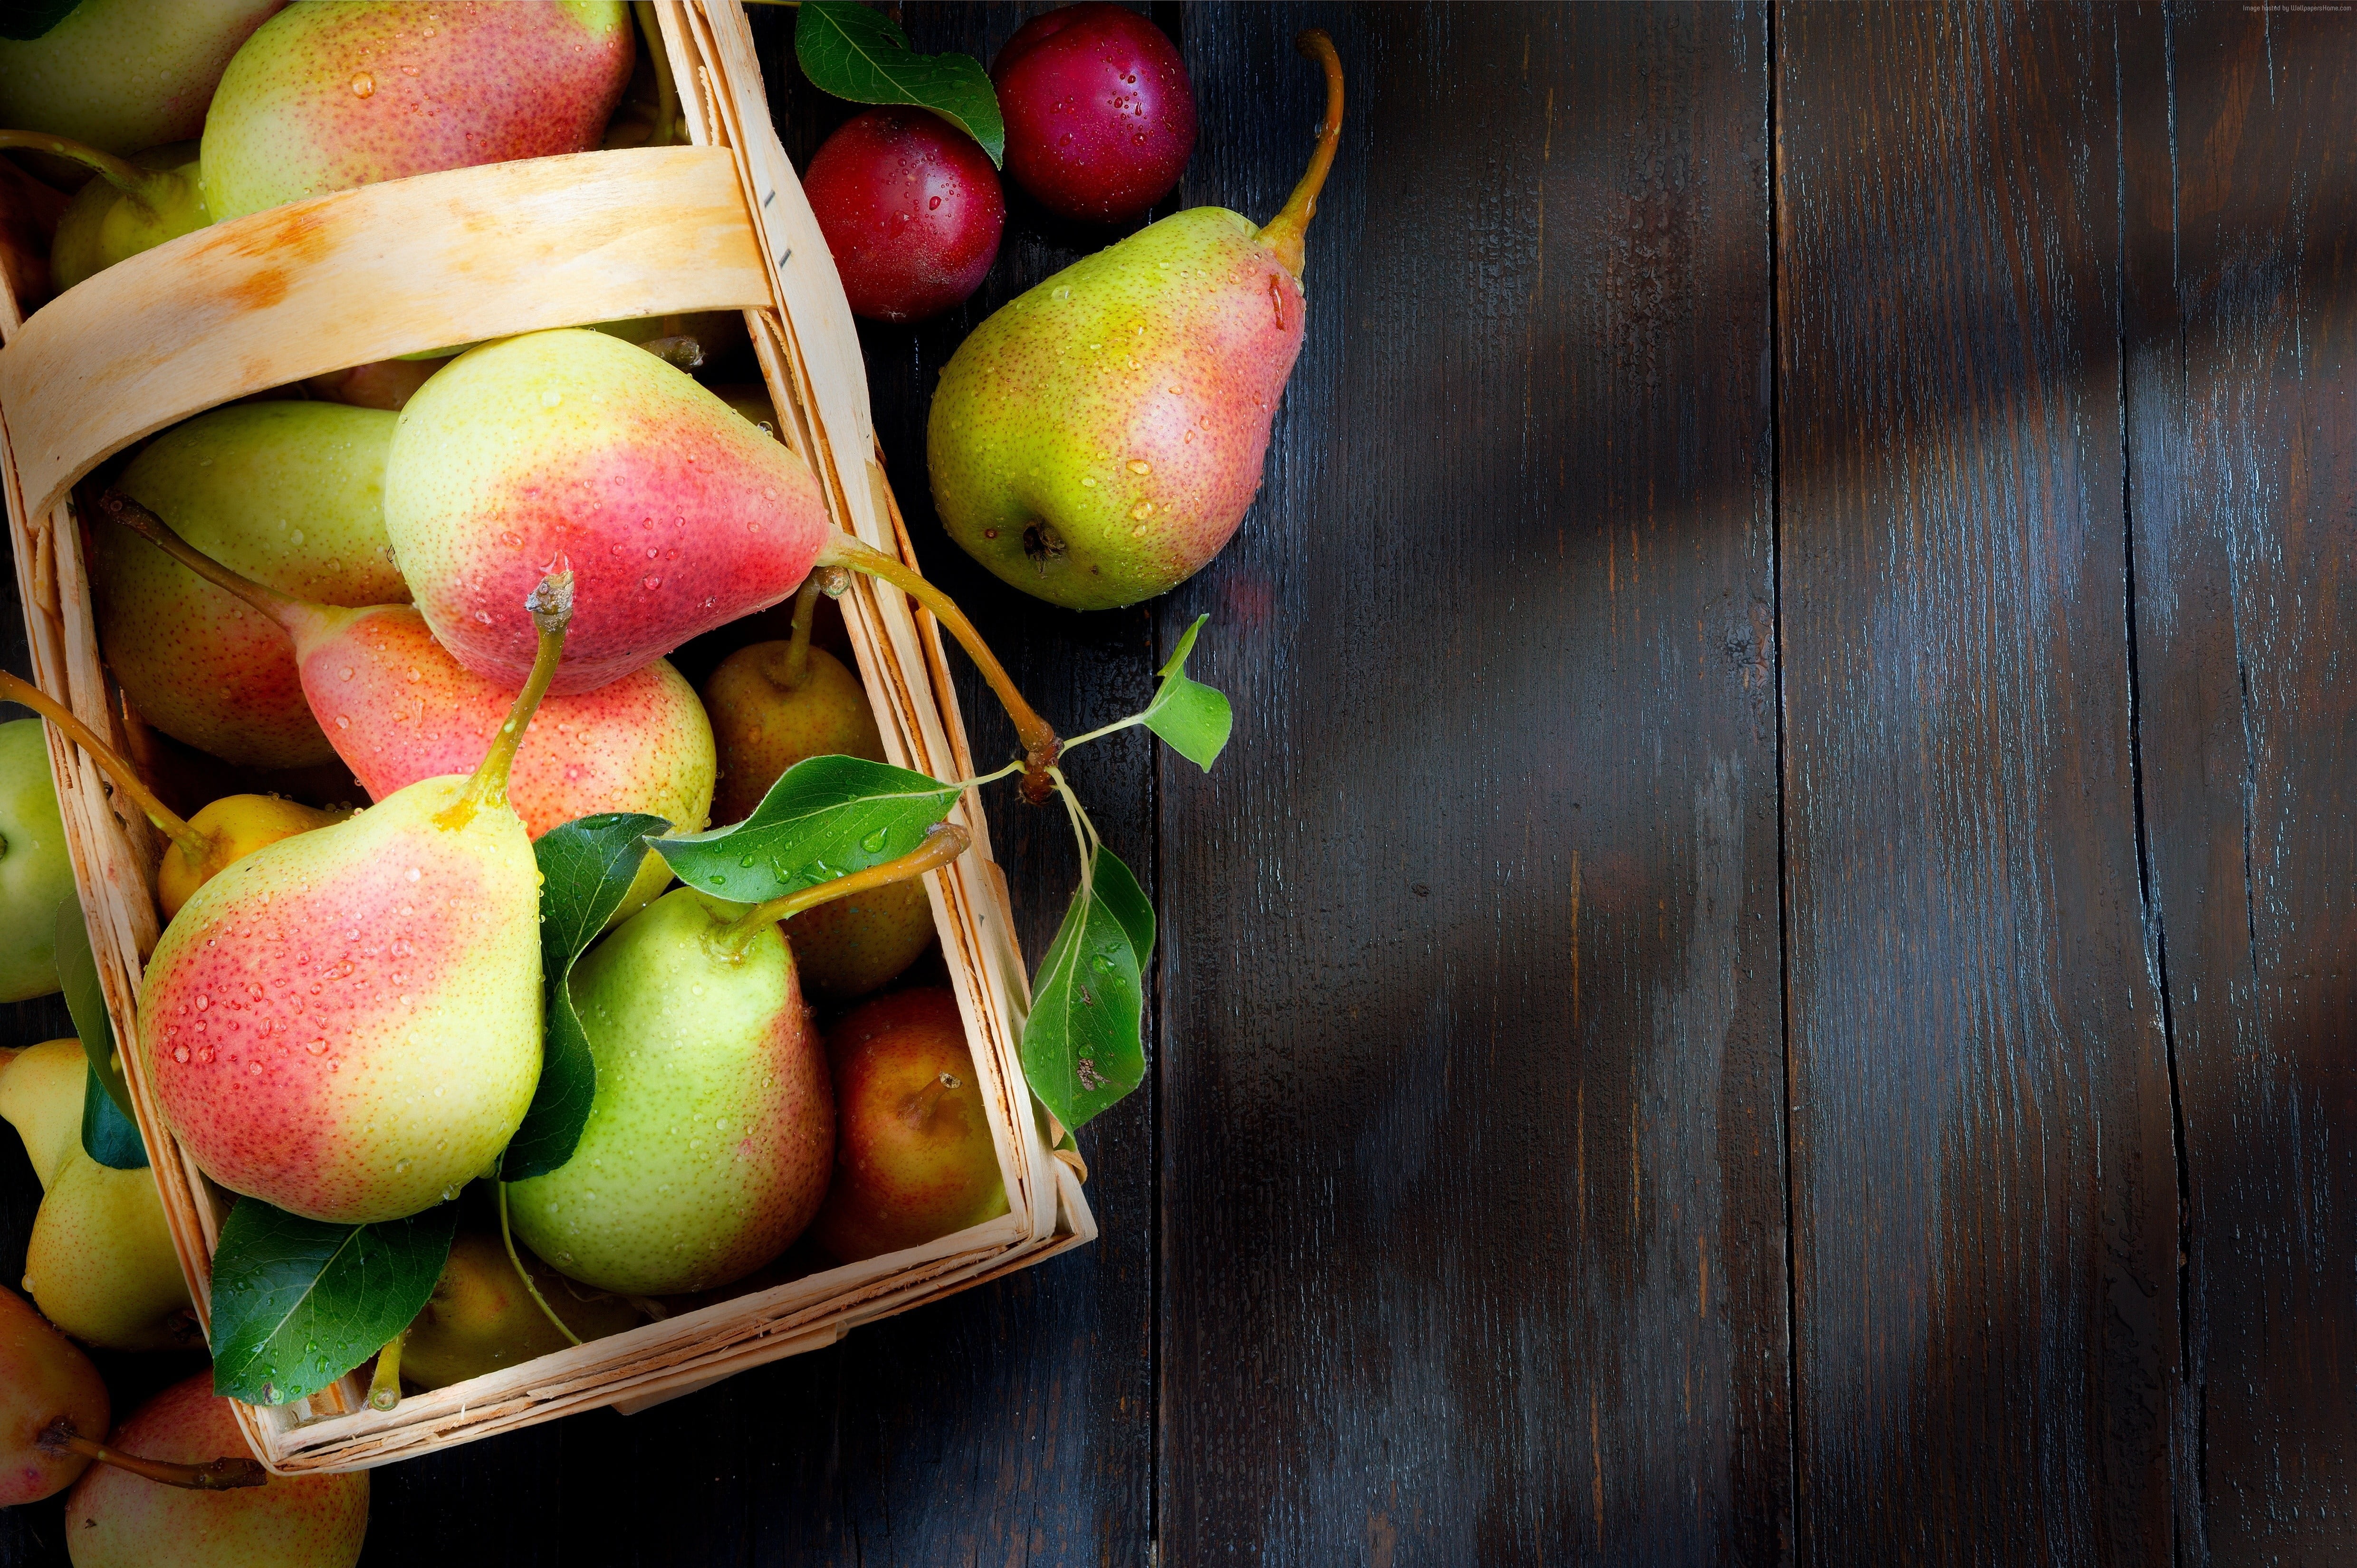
(1098, 440)
(346, 1023)
(290, 494)
(41, 1096)
(133, 205)
(712, 1126)
(101, 1264)
(123, 75)
(914, 1158)
(324, 98)
(117, 1520)
(480, 1318)
(44, 1378)
(35, 876)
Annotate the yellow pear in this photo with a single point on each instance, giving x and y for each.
(480, 1318)
(101, 1265)
(41, 1096)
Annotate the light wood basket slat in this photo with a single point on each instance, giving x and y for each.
(416, 264)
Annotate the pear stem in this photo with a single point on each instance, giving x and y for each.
(551, 606)
(213, 1475)
(142, 186)
(170, 823)
(531, 1290)
(384, 1388)
(797, 660)
(1038, 737)
(944, 842)
(918, 1108)
(283, 608)
(1284, 232)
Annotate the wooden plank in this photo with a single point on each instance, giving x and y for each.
(1984, 1193)
(1473, 1208)
(2242, 330)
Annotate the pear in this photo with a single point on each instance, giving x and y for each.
(324, 98)
(43, 1379)
(35, 876)
(1098, 440)
(769, 710)
(122, 75)
(398, 708)
(347, 1024)
(135, 205)
(914, 1157)
(480, 1318)
(41, 1096)
(101, 1264)
(117, 1520)
(862, 943)
(677, 514)
(288, 493)
(220, 834)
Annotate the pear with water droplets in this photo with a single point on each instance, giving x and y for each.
(1098, 440)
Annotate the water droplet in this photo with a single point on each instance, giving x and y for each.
(747, 863)
(1141, 510)
(483, 616)
(413, 874)
(363, 84)
(179, 1053)
(1088, 484)
(550, 398)
(650, 583)
(1102, 964)
(346, 673)
(717, 881)
(874, 841)
(317, 1047)
(1140, 466)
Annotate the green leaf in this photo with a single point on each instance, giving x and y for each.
(31, 18)
(827, 817)
(586, 868)
(108, 1135)
(298, 1302)
(1194, 718)
(1083, 1048)
(852, 52)
(86, 1001)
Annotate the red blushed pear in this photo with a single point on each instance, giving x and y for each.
(913, 1153)
(1099, 439)
(347, 1024)
(324, 98)
(117, 1520)
(398, 709)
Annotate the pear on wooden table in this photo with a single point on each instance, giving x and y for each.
(1098, 440)
(346, 1023)
(324, 98)
(289, 494)
(116, 1519)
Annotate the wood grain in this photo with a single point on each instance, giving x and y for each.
(2242, 333)
(1984, 1200)
(1472, 1173)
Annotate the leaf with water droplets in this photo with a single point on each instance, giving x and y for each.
(338, 1292)
(1083, 1046)
(1193, 718)
(586, 868)
(856, 53)
(827, 817)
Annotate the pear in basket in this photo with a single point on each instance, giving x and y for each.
(324, 98)
(712, 1127)
(398, 709)
(347, 1024)
(124, 74)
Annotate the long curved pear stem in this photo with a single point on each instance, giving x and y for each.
(797, 660)
(1038, 737)
(213, 1475)
(146, 186)
(944, 842)
(507, 1238)
(168, 822)
(1284, 232)
(551, 606)
(283, 608)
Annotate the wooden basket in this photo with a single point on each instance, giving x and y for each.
(264, 301)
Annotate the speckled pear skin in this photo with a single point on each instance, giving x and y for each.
(710, 1137)
(289, 494)
(42, 1376)
(346, 1024)
(116, 1519)
(1124, 404)
(122, 75)
(399, 709)
(675, 513)
(329, 97)
(101, 1264)
(101, 226)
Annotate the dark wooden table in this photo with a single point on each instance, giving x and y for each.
(1767, 977)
